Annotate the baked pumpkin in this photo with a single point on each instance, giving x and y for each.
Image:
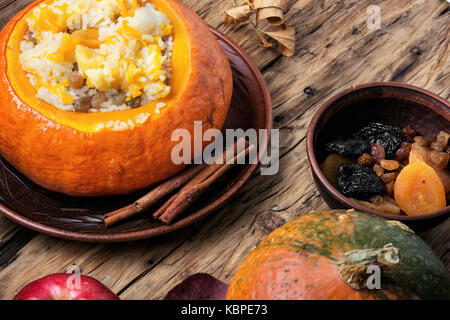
(326, 255)
(106, 152)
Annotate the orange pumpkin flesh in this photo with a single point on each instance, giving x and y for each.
(70, 152)
(306, 259)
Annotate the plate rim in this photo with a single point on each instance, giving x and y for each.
(196, 216)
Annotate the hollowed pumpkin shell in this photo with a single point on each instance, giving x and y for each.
(72, 153)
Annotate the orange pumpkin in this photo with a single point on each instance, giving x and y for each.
(326, 255)
(74, 153)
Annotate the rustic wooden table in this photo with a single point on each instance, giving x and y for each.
(335, 50)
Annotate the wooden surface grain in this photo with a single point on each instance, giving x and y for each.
(334, 51)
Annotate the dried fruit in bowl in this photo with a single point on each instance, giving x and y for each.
(380, 171)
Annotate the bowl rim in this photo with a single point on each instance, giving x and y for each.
(334, 193)
(247, 172)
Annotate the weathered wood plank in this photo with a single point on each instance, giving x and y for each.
(328, 69)
(335, 50)
(439, 239)
(7, 229)
(8, 8)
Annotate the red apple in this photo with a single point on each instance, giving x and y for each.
(66, 286)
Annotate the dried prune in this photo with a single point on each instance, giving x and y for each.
(348, 147)
(389, 137)
(357, 181)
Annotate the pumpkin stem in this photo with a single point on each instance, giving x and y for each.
(354, 264)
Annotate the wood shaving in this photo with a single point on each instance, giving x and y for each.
(264, 42)
(272, 12)
(285, 38)
(237, 14)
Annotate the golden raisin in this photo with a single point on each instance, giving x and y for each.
(438, 160)
(134, 103)
(402, 154)
(443, 138)
(437, 146)
(76, 80)
(389, 165)
(83, 104)
(98, 99)
(421, 141)
(390, 187)
(366, 160)
(408, 132)
(387, 177)
(378, 170)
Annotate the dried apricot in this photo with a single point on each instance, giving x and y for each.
(418, 190)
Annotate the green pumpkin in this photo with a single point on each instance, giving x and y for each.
(329, 254)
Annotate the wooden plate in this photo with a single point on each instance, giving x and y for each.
(81, 218)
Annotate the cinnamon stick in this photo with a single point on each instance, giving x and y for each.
(193, 182)
(204, 174)
(153, 196)
(191, 191)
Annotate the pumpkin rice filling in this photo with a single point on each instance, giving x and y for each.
(98, 55)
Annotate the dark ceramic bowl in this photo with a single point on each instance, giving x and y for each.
(392, 103)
